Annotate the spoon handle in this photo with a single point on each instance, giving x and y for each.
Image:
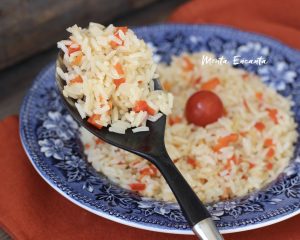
(194, 210)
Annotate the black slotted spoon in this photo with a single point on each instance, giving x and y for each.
(150, 145)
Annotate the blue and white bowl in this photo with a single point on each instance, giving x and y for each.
(50, 138)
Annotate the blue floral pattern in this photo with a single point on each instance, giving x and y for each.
(50, 137)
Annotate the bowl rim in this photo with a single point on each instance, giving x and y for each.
(290, 53)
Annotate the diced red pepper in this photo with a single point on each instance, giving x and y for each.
(119, 69)
(260, 126)
(192, 161)
(77, 79)
(149, 171)
(269, 166)
(273, 114)
(114, 44)
(270, 153)
(143, 106)
(119, 81)
(77, 59)
(225, 141)
(251, 165)
(123, 29)
(137, 186)
(174, 120)
(92, 120)
(268, 142)
(72, 49)
(99, 141)
(259, 96)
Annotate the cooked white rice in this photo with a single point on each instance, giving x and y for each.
(110, 72)
(255, 156)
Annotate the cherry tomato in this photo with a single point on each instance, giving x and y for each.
(203, 108)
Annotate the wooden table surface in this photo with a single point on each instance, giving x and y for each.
(16, 80)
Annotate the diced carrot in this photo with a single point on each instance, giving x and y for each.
(77, 59)
(225, 141)
(269, 166)
(92, 120)
(114, 44)
(77, 79)
(268, 142)
(270, 153)
(167, 86)
(246, 105)
(148, 171)
(87, 146)
(72, 49)
(99, 141)
(243, 133)
(251, 165)
(273, 114)
(150, 111)
(189, 66)
(211, 84)
(174, 120)
(137, 186)
(192, 161)
(259, 96)
(140, 106)
(143, 106)
(123, 29)
(119, 81)
(260, 126)
(140, 81)
(119, 69)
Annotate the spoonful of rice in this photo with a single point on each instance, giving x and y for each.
(108, 82)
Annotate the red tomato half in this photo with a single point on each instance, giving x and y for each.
(203, 108)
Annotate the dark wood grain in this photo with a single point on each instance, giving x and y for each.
(28, 27)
